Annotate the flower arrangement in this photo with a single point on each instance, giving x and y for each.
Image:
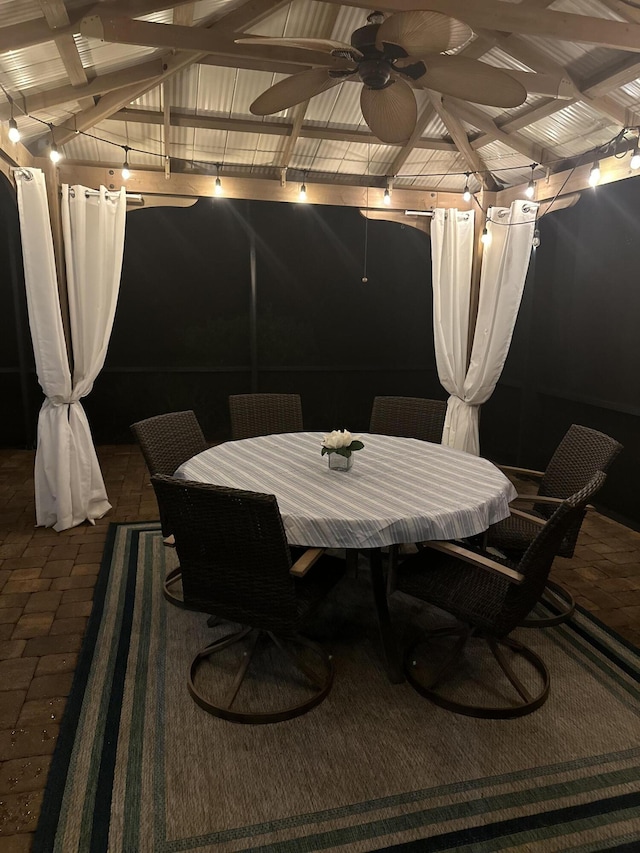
(342, 442)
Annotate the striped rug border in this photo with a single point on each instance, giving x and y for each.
(478, 837)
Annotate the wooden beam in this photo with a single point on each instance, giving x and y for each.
(206, 40)
(571, 181)
(38, 31)
(626, 70)
(166, 130)
(482, 121)
(183, 15)
(190, 185)
(272, 128)
(33, 102)
(56, 14)
(421, 223)
(521, 18)
(459, 136)
(533, 114)
(114, 101)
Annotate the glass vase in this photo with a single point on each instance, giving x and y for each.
(340, 463)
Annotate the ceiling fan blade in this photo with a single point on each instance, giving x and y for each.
(293, 90)
(323, 45)
(471, 80)
(422, 32)
(391, 113)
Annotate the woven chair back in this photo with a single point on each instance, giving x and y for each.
(264, 414)
(535, 563)
(233, 553)
(408, 417)
(166, 442)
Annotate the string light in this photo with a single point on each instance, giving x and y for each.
(386, 198)
(594, 174)
(635, 157)
(14, 133)
(531, 186)
(302, 195)
(466, 195)
(486, 237)
(126, 173)
(217, 188)
(536, 238)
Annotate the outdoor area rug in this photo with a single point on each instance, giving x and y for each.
(140, 767)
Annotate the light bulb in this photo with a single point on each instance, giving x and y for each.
(536, 239)
(303, 193)
(466, 195)
(530, 190)
(387, 197)
(126, 174)
(635, 158)
(54, 155)
(486, 237)
(218, 187)
(594, 174)
(14, 133)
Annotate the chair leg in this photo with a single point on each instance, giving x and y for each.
(392, 568)
(320, 684)
(425, 684)
(561, 600)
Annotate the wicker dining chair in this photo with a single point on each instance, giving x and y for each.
(490, 598)
(264, 414)
(236, 564)
(408, 417)
(166, 441)
(581, 453)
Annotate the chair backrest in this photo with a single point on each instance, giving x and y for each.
(169, 440)
(264, 414)
(408, 417)
(233, 553)
(535, 563)
(581, 453)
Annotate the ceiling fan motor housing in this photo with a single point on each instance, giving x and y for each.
(374, 68)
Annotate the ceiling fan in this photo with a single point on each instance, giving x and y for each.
(384, 55)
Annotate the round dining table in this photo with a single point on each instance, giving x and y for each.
(399, 490)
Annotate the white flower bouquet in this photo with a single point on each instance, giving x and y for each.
(342, 442)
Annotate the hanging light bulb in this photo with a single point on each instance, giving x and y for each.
(126, 173)
(486, 237)
(594, 174)
(386, 198)
(466, 195)
(302, 195)
(217, 189)
(14, 133)
(54, 155)
(635, 157)
(536, 239)
(531, 186)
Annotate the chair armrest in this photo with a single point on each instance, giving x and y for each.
(524, 472)
(543, 499)
(476, 560)
(535, 519)
(304, 563)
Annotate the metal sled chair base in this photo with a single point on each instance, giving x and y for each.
(428, 687)
(320, 683)
(562, 601)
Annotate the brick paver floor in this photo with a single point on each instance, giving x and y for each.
(46, 589)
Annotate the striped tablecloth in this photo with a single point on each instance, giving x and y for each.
(398, 490)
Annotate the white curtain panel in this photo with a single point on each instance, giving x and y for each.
(93, 226)
(452, 237)
(68, 483)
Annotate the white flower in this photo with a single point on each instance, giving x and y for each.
(338, 438)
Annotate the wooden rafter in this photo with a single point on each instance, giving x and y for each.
(403, 155)
(56, 16)
(272, 128)
(250, 12)
(459, 136)
(482, 121)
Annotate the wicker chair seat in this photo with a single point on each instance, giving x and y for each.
(513, 535)
(471, 595)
